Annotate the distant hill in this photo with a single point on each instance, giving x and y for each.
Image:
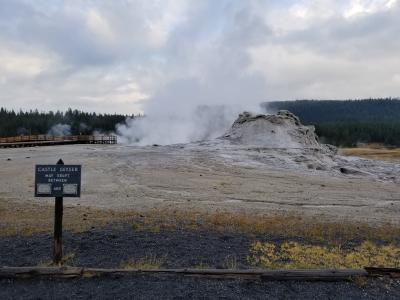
(346, 123)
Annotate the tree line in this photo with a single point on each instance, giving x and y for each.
(72, 122)
(341, 123)
(350, 122)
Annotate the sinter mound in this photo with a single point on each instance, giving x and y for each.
(283, 130)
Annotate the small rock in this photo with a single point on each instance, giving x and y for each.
(351, 171)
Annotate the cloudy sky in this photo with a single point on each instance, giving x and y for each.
(130, 56)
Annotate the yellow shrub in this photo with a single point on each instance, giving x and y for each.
(146, 263)
(292, 255)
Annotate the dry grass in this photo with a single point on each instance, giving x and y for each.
(383, 250)
(360, 281)
(290, 226)
(231, 262)
(146, 263)
(30, 218)
(67, 260)
(292, 255)
(202, 266)
(376, 152)
(18, 219)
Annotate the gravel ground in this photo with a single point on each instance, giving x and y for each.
(154, 287)
(111, 246)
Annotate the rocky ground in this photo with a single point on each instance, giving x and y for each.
(112, 246)
(156, 287)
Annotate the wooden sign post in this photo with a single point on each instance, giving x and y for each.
(58, 216)
(58, 181)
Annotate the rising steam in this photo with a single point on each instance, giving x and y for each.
(204, 123)
(209, 79)
(60, 129)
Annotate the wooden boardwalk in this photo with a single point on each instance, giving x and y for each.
(50, 140)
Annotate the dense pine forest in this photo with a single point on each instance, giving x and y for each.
(57, 123)
(342, 123)
(347, 123)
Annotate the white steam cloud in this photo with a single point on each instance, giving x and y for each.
(60, 129)
(203, 123)
(211, 82)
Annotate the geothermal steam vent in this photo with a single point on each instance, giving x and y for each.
(283, 130)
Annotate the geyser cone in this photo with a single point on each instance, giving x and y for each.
(283, 130)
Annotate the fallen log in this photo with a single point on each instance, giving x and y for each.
(318, 275)
(260, 274)
(27, 272)
(392, 272)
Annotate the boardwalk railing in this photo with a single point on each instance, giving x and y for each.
(46, 140)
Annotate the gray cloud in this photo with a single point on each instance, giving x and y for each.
(336, 57)
(129, 56)
(214, 70)
(359, 37)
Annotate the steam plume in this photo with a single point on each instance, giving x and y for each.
(60, 129)
(211, 83)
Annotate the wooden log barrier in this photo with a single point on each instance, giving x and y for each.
(260, 274)
(392, 272)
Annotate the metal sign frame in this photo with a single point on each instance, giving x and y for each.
(58, 180)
